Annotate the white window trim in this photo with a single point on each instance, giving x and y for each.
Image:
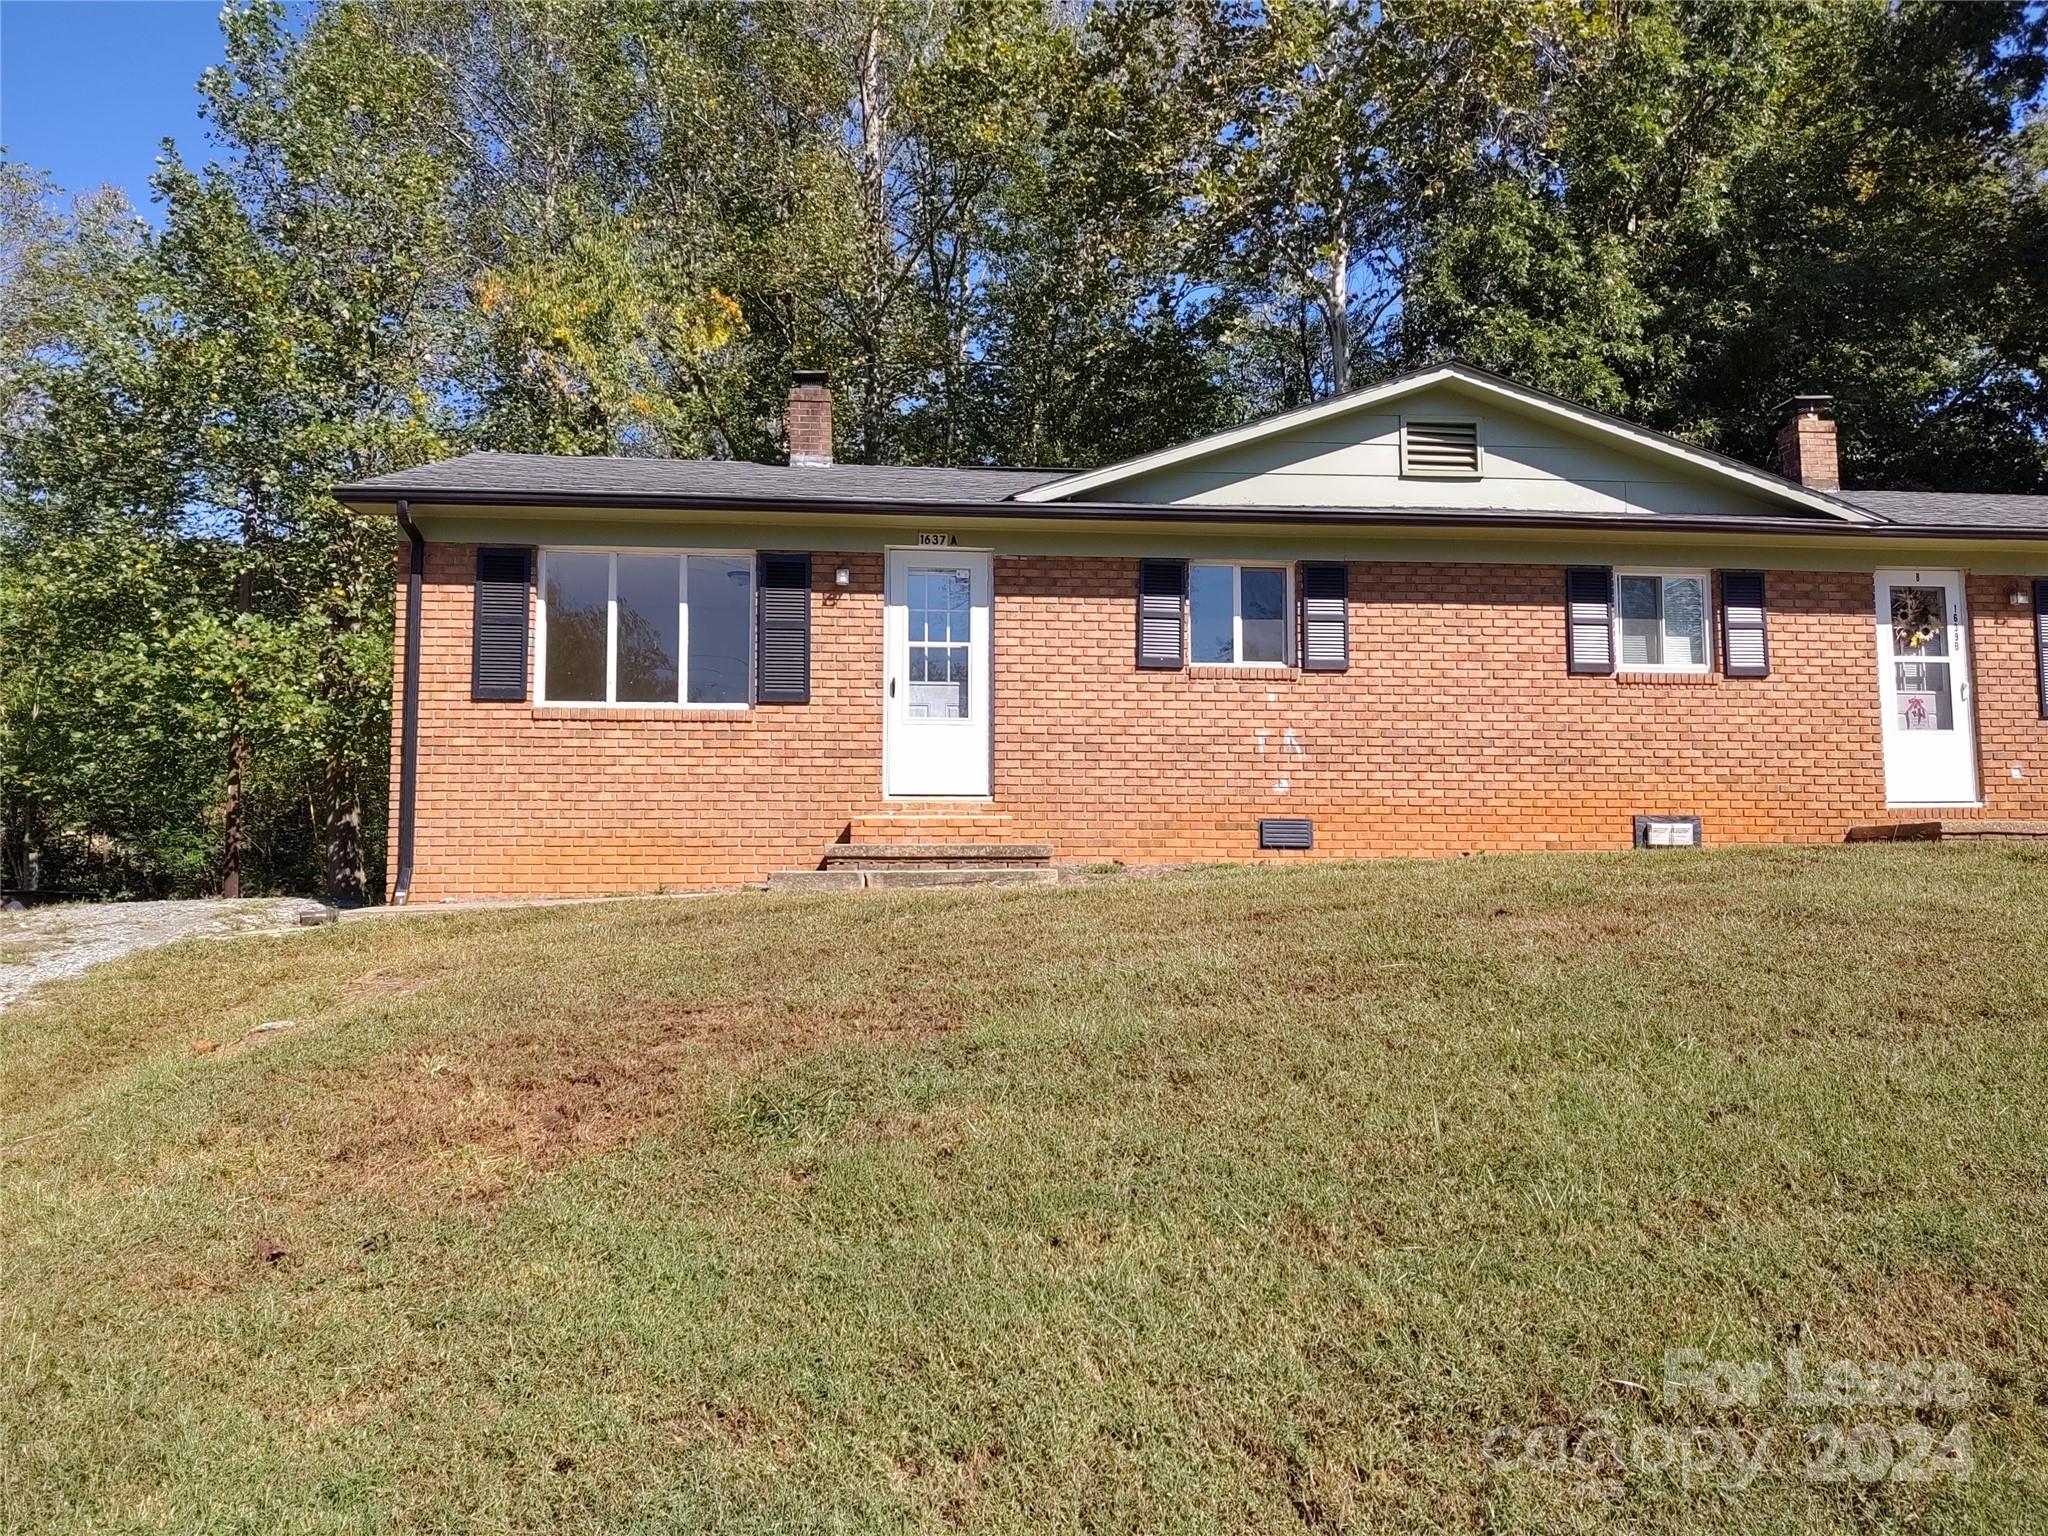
(1663, 574)
(1237, 568)
(611, 629)
(1436, 418)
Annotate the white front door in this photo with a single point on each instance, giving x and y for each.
(936, 677)
(1923, 682)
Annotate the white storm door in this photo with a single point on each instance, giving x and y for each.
(1923, 683)
(936, 677)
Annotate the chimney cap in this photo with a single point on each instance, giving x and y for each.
(808, 378)
(1807, 405)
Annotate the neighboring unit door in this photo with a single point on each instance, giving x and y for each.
(936, 677)
(1923, 681)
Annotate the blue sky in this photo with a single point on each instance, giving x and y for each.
(88, 87)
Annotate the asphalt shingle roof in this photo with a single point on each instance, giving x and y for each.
(548, 478)
(539, 474)
(1954, 509)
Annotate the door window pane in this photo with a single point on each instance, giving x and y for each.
(1642, 621)
(1263, 592)
(650, 629)
(1210, 614)
(940, 613)
(938, 682)
(721, 593)
(939, 604)
(1923, 696)
(577, 593)
(1685, 621)
(1919, 621)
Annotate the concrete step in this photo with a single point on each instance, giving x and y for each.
(938, 879)
(816, 880)
(1944, 831)
(929, 822)
(912, 879)
(937, 855)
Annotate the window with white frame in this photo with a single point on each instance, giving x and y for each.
(1239, 615)
(619, 627)
(1661, 621)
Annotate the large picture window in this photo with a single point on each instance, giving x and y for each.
(653, 629)
(1238, 615)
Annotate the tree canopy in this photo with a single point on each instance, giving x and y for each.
(1012, 231)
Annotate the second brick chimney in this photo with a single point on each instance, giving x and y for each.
(808, 423)
(1806, 442)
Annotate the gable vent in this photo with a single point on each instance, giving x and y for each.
(1447, 448)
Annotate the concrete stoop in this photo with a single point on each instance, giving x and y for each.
(912, 878)
(879, 856)
(905, 850)
(1948, 831)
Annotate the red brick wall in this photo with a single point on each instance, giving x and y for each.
(518, 801)
(1457, 729)
(2006, 695)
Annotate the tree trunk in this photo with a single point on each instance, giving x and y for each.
(1337, 315)
(874, 163)
(238, 743)
(24, 850)
(231, 817)
(347, 879)
(1337, 297)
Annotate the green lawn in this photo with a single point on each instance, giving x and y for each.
(1230, 1200)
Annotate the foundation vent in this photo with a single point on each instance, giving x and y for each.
(1287, 832)
(1667, 831)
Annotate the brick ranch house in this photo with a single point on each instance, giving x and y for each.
(1441, 615)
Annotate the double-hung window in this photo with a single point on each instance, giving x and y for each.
(1662, 622)
(1240, 615)
(650, 629)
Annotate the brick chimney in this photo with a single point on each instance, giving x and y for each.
(808, 423)
(1806, 442)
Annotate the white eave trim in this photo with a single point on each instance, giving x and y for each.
(1597, 423)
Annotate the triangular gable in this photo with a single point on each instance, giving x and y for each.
(1221, 457)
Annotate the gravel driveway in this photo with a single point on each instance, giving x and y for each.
(46, 943)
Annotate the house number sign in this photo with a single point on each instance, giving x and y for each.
(942, 540)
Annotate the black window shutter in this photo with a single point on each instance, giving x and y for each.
(1325, 617)
(1745, 645)
(2041, 644)
(498, 626)
(782, 634)
(1589, 619)
(1162, 594)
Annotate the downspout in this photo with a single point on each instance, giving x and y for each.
(409, 708)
